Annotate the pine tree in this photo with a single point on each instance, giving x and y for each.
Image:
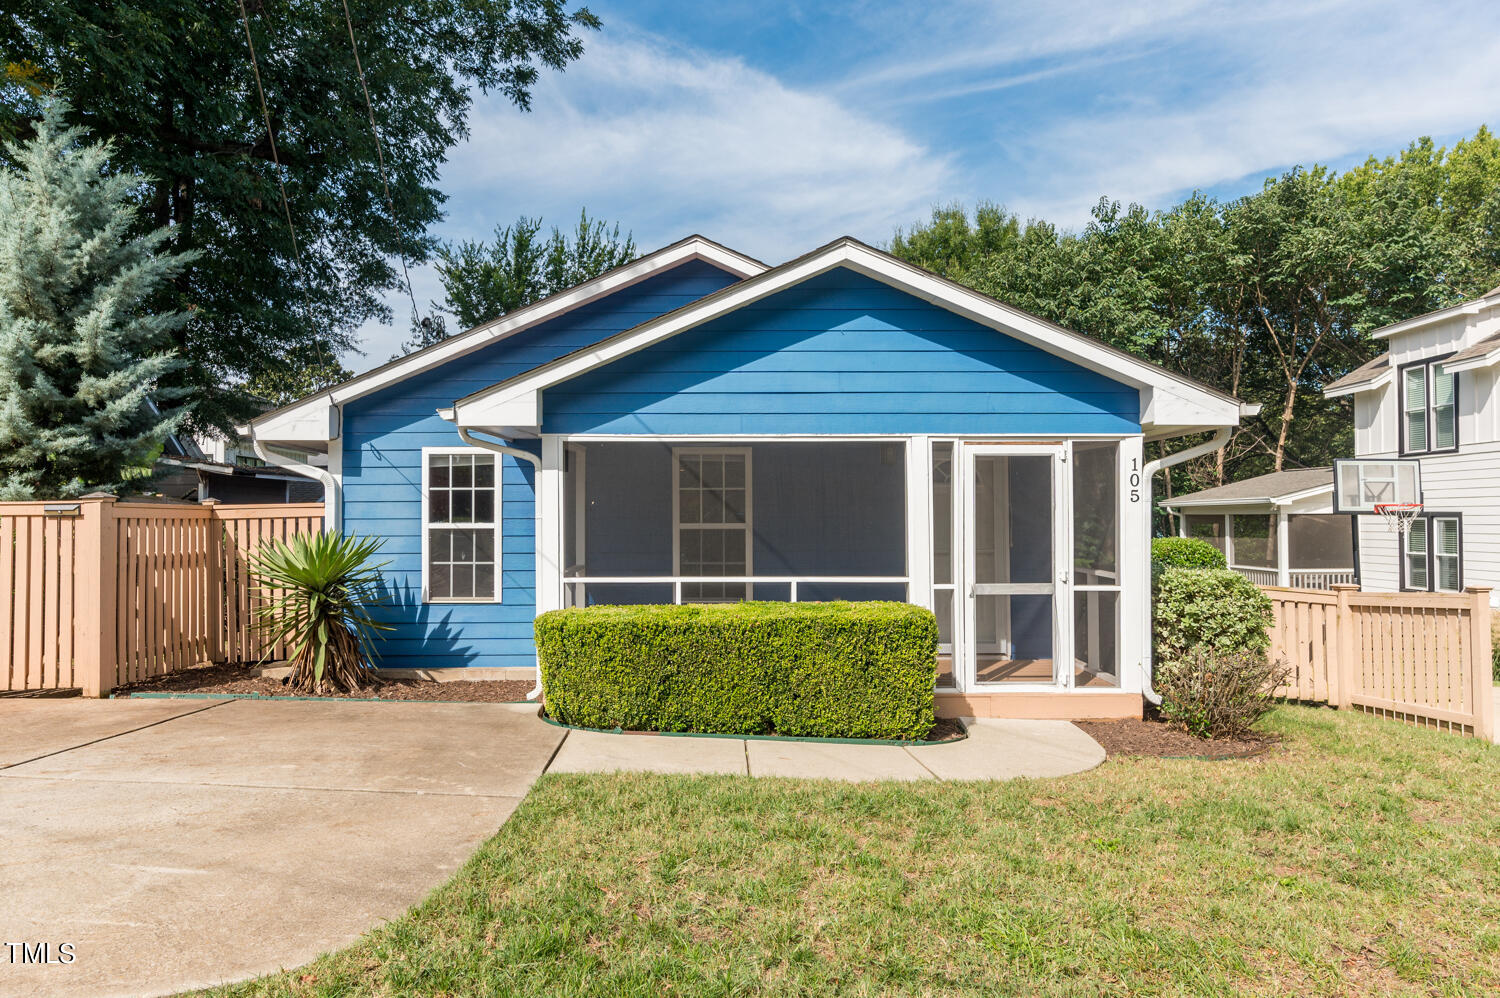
(80, 354)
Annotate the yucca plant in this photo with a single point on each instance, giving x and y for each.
(315, 591)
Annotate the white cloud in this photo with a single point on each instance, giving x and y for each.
(669, 141)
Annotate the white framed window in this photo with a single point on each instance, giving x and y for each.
(1432, 554)
(712, 520)
(460, 525)
(1429, 408)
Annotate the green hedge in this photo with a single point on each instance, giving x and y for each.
(1185, 552)
(842, 670)
(1209, 608)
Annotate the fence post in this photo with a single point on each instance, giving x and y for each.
(1481, 663)
(94, 572)
(1341, 674)
(218, 618)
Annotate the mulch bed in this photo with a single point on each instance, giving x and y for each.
(1153, 736)
(240, 680)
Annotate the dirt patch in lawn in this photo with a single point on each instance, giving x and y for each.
(1155, 737)
(241, 680)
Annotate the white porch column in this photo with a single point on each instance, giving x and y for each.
(549, 525)
(1134, 565)
(1283, 554)
(1182, 525)
(1229, 539)
(919, 521)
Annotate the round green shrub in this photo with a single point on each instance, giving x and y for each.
(1212, 608)
(1185, 552)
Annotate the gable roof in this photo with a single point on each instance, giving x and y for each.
(1169, 400)
(1276, 488)
(313, 418)
(1370, 374)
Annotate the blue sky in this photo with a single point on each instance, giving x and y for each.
(775, 127)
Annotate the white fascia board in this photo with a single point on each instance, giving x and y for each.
(302, 416)
(1208, 407)
(1474, 363)
(1167, 405)
(1452, 311)
(315, 420)
(1254, 503)
(1374, 384)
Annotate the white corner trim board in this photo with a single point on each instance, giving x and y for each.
(517, 401)
(313, 419)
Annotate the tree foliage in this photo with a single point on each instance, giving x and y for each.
(484, 280)
(1267, 297)
(170, 83)
(82, 355)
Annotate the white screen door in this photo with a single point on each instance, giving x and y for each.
(1012, 572)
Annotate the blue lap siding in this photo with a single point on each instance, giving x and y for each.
(841, 354)
(384, 434)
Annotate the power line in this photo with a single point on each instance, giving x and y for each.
(271, 135)
(379, 153)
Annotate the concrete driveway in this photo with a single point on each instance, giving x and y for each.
(175, 844)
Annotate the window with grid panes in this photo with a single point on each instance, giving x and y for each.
(462, 511)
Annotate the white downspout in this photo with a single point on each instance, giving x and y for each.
(333, 508)
(1220, 438)
(515, 452)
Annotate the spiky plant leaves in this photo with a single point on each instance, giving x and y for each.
(315, 594)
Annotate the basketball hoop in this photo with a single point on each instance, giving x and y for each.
(1398, 515)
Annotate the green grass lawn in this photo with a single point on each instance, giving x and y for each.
(1363, 857)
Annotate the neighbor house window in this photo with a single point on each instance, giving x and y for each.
(461, 537)
(713, 516)
(1429, 408)
(1432, 554)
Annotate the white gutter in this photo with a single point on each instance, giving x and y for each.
(515, 452)
(332, 507)
(1220, 438)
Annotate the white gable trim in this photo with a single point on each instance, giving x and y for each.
(1417, 322)
(1166, 398)
(313, 418)
(1374, 384)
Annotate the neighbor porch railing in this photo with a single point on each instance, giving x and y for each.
(577, 584)
(1297, 578)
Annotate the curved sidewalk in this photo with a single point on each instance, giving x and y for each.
(995, 750)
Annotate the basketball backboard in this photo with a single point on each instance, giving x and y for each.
(1361, 485)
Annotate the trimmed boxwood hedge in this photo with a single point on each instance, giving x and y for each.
(1185, 552)
(833, 670)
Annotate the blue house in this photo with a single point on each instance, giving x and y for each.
(698, 426)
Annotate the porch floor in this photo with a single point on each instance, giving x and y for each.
(995, 669)
(996, 749)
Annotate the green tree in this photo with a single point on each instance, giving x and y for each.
(314, 368)
(82, 355)
(170, 83)
(483, 281)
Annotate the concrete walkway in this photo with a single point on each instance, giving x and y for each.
(994, 750)
(177, 844)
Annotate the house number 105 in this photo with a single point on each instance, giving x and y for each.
(1135, 479)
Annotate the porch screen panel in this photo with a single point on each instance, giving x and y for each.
(1096, 575)
(942, 557)
(713, 521)
(1207, 528)
(1320, 540)
(1254, 540)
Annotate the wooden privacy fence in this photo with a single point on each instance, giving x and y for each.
(1419, 657)
(95, 593)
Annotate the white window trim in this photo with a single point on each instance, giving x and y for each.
(429, 452)
(1457, 556)
(749, 524)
